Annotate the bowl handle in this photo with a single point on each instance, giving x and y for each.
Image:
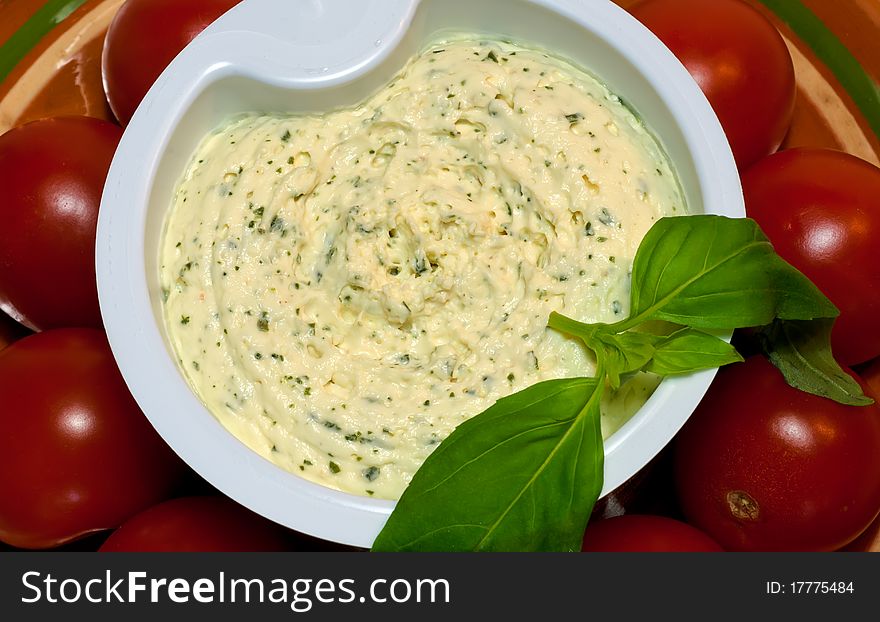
(327, 34)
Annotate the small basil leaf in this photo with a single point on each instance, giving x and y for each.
(713, 272)
(802, 352)
(617, 353)
(521, 476)
(689, 350)
(622, 353)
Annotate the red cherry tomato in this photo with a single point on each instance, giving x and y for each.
(52, 174)
(76, 453)
(739, 60)
(198, 524)
(642, 533)
(821, 211)
(144, 37)
(763, 466)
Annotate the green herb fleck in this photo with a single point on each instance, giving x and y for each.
(263, 322)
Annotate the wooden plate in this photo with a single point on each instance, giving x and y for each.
(60, 73)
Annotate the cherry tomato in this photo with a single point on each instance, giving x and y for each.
(52, 174)
(144, 37)
(643, 533)
(821, 211)
(76, 453)
(763, 466)
(739, 60)
(198, 524)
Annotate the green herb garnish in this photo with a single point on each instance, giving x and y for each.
(525, 474)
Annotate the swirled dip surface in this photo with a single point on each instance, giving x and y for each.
(344, 289)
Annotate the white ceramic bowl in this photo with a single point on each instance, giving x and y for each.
(281, 55)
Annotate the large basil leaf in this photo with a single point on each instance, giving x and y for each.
(802, 352)
(689, 350)
(712, 272)
(521, 476)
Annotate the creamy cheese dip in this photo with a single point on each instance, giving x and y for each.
(344, 289)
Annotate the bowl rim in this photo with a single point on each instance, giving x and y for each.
(153, 375)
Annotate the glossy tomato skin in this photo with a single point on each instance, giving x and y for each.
(201, 524)
(52, 174)
(739, 60)
(820, 210)
(648, 534)
(76, 453)
(761, 466)
(143, 38)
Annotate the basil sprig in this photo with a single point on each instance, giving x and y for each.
(524, 474)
